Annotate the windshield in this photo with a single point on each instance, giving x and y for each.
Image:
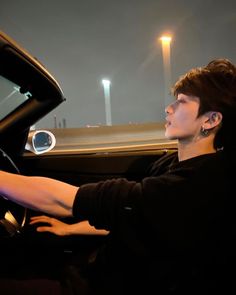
(10, 97)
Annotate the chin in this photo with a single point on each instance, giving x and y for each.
(170, 136)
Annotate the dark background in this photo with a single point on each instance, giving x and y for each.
(81, 42)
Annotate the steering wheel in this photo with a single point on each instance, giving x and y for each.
(12, 216)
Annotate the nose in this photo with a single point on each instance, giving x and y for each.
(170, 108)
(167, 109)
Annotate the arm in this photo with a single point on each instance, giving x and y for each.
(60, 228)
(39, 193)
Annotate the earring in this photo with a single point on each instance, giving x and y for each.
(204, 132)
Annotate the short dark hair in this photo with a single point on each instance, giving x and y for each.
(215, 86)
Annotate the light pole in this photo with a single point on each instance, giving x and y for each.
(107, 95)
(166, 40)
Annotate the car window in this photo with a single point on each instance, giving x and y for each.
(10, 97)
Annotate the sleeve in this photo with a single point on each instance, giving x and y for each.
(106, 202)
(120, 202)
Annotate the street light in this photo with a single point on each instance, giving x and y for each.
(166, 40)
(107, 95)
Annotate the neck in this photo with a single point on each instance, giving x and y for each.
(187, 150)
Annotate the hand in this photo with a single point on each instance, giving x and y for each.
(54, 226)
(60, 228)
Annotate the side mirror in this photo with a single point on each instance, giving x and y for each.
(40, 141)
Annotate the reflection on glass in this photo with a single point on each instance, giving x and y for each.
(10, 97)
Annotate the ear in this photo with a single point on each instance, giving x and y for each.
(214, 119)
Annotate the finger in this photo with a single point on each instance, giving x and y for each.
(44, 217)
(44, 229)
(38, 221)
(41, 219)
(38, 217)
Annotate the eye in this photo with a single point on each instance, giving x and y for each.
(180, 100)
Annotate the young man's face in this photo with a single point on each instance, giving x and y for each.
(181, 118)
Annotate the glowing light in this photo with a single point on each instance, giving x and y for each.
(107, 95)
(106, 83)
(166, 39)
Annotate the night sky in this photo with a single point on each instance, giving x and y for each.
(82, 42)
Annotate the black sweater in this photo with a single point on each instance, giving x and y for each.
(169, 234)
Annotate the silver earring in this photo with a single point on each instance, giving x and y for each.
(204, 132)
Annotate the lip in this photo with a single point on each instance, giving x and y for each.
(167, 123)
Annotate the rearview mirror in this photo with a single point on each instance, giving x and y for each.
(40, 141)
